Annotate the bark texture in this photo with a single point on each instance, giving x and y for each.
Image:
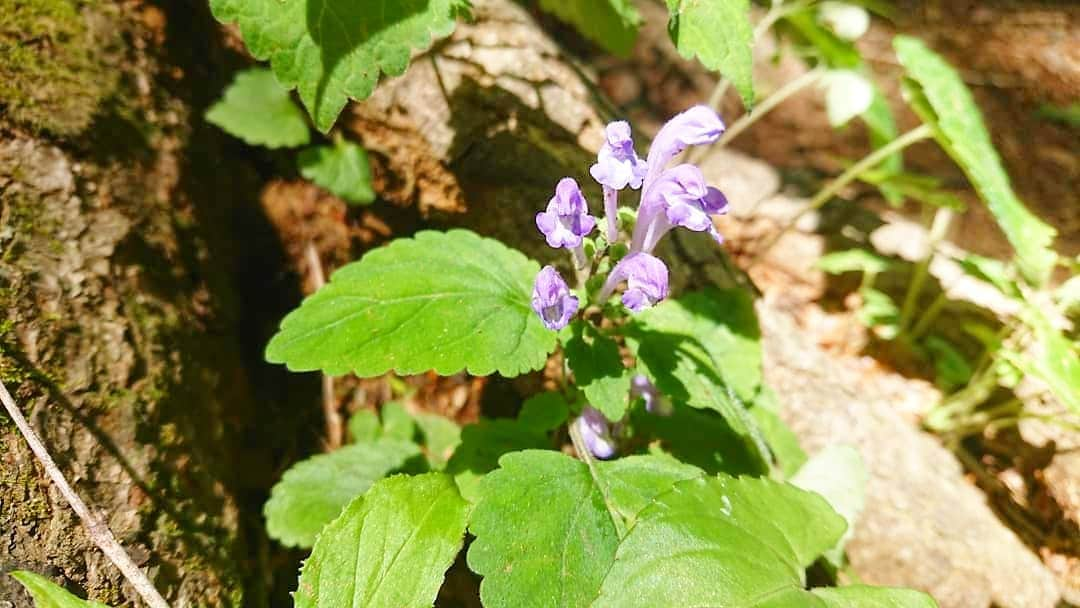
(121, 332)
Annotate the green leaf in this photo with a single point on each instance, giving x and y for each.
(389, 548)
(441, 438)
(783, 443)
(953, 370)
(1055, 360)
(342, 169)
(483, 443)
(702, 438)
(445, 301)
(865, 596)
(880, 312)
(1068, 295)
(991, 271)
(881, 123)
(838, 474)
(719, 34)
(258, 110)
(853, 260)
(899, 185)
(397, 423)
(598, 369)
(314, 491)
(703, 350)
(48, 594)
(942, 100)
(333, 50)
(544, 411)
(364, 426)
(544, 535)
(547, 535)
(613, 24)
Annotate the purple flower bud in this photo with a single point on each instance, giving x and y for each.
(593, 428)
(655, 403)
(696, 126)
(646, 281)
(617, 165)
(567, 217)
(552, 299)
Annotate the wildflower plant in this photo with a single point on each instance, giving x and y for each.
(679, 457)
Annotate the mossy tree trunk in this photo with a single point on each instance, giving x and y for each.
(123, 332)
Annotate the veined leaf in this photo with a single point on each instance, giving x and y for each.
(48, 594)
(342, 169)
(598, 369)
(941, 99)
(314, 491)
(719, 34)
(445, 301)
(483, 443)
(613, 24)
(333, 50)
(547, 534)
(389, 548)
(258, 110)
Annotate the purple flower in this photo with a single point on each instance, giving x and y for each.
(655, 403)
(567, 217)
(593, 428)
(552, 299)
(646, 281)
(618, 166)
(694, 127)
(679, 197)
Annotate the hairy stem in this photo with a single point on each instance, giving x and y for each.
(868, 162)
(97, 530)
(335, 429)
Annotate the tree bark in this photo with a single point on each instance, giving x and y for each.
(129, 243)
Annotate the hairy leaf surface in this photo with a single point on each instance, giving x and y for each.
(719, 34)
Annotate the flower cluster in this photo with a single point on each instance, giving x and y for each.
(670, 197)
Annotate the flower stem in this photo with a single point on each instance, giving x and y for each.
(770, 102)
(586, 456)
(868, 162)
(938, 228)
(95, 528)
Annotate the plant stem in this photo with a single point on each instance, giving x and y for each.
(929, 316)
(938, 228)
(868, 162)
(334, 426)
(586, 456)
(770, 102)
(97, 530)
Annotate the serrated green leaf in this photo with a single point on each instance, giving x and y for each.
(483, 443)
(853, 260)
(445, 301)
(441, 438)
(314, 491)
(545, 536)
(838, 474)
(598, 369)
(342, 169)
(364, 426)
(389, 548)
(48, 594)
(544, 411)
(865, 596)
(613, 24)
(258, 110)
(719, 34)
(943, 101)
(720, 541)
(333, 50)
